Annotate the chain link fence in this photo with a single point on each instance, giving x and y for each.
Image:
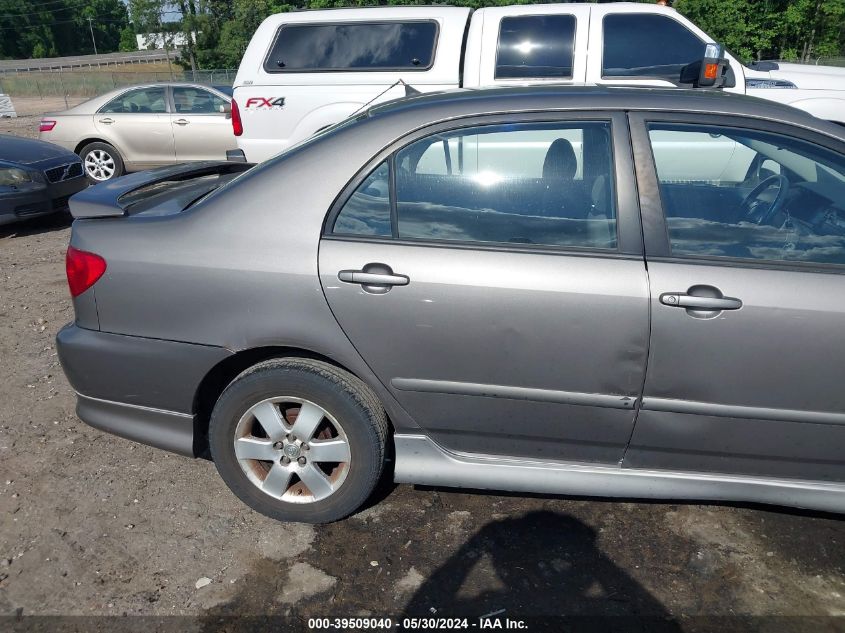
(60, 83)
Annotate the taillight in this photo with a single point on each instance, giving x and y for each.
(237, 126)
(46, 125)
(83, 270)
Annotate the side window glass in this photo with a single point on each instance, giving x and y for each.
(535, 46)
(141, 101)
(647, 46)
(751, 195)
(353, 46)
(367, 212)
(196, 101)
(545, 184)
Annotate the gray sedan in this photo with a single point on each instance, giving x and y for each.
(139, 127)
(598, 291)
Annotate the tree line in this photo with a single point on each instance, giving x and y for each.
(218, 31)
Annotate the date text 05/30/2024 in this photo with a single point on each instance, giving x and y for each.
(413, 624)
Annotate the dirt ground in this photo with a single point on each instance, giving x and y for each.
(92, 525)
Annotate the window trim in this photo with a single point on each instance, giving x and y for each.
(167, 99)
(643, 77)
(536, 15)
(628, 228)
(273, 69)
(655, 230)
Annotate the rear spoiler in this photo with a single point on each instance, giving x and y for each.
(113, 198)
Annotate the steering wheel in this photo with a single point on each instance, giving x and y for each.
(751, 204)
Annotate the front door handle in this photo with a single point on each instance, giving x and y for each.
(694, 302)
(372, 279)
(107, 121)
(181, 121)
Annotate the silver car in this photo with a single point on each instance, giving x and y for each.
(140, 127)
(597, 291)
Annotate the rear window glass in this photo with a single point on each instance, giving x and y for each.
(353, 46)
(535, 46)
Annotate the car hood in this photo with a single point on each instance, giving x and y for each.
(809, 77)
(25, 151)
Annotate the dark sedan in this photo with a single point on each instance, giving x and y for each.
(36, 178)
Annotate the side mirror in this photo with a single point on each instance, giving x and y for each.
(709, 72)
(226, 109)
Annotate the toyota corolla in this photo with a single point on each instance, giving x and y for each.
(616, 292)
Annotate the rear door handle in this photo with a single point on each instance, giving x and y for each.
(181, 121)
(372, 279)
(107, 121)
(693, 302)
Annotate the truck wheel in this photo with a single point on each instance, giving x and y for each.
(101, 162)
(299, 440)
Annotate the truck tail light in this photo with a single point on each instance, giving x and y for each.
(83, 270)
(237, 125)
(46, 125)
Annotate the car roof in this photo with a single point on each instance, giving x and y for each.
(94, 103)
(466, 102)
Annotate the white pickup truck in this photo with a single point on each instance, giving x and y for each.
(304, 71)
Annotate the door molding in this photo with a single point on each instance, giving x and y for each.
(514, 393)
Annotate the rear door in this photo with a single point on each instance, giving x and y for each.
(492, 277)
(745, 243)
(137, 122)
(528, 44)
(200, 130)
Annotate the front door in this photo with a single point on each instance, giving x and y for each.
(137, 122)
(491, 276)
(746, 261)
(200, 130)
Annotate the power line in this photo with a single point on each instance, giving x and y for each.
(47, 25)
(70, 6)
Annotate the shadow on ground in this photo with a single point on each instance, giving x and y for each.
(540, 563)
(35, 226)
(543, 563)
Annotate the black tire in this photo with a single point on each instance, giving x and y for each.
(111, 151)
(350, 402)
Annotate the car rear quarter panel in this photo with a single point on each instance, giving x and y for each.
(240, 271)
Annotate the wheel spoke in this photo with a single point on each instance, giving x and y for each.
(335, 450)
(307, 420)
(317, 482)
(277, 480)
(270, 418)
(255, 448)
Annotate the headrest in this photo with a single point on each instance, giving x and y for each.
(560, 160)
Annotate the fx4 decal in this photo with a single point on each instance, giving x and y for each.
(264, 102)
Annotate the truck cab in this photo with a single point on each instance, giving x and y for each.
(305, 71)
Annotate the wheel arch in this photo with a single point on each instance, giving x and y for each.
(88, 141)
(222, 374)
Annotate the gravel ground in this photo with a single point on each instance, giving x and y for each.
(91, 524)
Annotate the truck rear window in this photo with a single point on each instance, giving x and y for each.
(353, 46)
(536, 46)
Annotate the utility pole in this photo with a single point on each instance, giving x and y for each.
(93, 41)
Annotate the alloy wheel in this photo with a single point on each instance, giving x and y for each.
(99, 164)
(292, 449)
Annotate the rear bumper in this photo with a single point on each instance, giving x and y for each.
(139, 388)
(163, 429)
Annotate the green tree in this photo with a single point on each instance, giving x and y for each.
(128, 41)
